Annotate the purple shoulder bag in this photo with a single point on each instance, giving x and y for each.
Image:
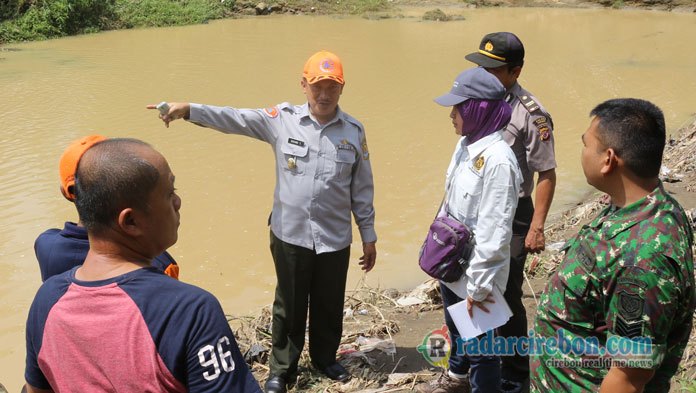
(447, 248)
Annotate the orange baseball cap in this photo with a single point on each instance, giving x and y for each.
(71, 157)
(323, 65)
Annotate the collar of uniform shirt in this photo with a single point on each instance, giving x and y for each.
(304, 113)
(628, 215)
(515, 90)
(480, 145)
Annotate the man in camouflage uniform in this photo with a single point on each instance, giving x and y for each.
(628, 275)
(530, 136)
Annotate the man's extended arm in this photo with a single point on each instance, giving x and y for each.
(546, 185)
(255, 123)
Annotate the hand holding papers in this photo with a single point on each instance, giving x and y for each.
(481, 322)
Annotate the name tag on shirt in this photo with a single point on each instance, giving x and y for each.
(345, 147)
(295, 142)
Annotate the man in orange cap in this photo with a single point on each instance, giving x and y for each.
(323, 174)
(115, 323)
(61, 250)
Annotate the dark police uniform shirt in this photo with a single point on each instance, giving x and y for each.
(530, 136)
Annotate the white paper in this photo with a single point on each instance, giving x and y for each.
(499, 313)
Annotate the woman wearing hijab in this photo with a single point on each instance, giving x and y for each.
(483, 183)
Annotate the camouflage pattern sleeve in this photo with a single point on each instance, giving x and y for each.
(627, 283)
(640, 315)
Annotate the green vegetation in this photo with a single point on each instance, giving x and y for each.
(37, 19)
(28, 20)
(437, 15)
(617, 4)
(686, 385)
(152, 13)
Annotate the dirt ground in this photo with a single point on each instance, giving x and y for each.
(414, 326)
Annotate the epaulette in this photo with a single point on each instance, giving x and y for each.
(529, 103)
(286, 106)
(350, 119)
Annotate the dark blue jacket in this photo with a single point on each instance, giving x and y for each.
(61, 250)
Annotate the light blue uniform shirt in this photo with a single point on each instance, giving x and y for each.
(323, 172)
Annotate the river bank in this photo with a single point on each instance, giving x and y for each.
(31, 20)
(383, 329)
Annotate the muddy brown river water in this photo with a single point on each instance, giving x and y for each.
(56, 91)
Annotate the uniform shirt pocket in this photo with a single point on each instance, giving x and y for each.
(345, 158)
(295, 158)
(466, 195)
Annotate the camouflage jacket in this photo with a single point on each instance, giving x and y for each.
(623, 292)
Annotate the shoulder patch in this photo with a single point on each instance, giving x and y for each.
(586, 256)
(365, 152)
(544, 133)
(630, 306)
(271, 111)
(479, 163)
(529, 103)
(631, 281)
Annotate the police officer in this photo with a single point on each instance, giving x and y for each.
(617, 314)
(323, 174)
(530, 135)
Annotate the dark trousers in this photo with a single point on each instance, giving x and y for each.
(484, 371)
(306, 280)
(516, 368)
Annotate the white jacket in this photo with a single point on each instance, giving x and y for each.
(483, 189)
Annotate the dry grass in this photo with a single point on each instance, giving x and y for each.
(367, 336)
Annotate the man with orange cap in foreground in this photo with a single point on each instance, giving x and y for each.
(323, 173)
(115, 323)
(61, 250)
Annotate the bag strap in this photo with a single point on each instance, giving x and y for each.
(437, 213)
(445, 198)
(448, 188)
